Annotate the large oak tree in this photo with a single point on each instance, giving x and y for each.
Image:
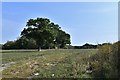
(45, 32)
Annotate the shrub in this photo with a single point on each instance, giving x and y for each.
(107, 61)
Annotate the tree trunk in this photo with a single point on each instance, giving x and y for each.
(39, 48)
(56, 47)
(49, 47)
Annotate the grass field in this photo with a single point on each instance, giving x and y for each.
(63, 63)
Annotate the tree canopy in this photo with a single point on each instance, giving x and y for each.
(45, 32)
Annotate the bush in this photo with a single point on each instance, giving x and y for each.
(0, 46)
(106, 61)
(21, 43)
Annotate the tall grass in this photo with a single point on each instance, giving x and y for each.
(69, 63)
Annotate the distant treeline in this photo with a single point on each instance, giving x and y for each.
(24, 43)
(86, 46)
(90, 46)
(0, 46)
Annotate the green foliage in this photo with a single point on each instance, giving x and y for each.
(45, 33)
(114, 59)
(9, 45)
(106, 61)
(21, 43)
(0, 46)
(86, 46)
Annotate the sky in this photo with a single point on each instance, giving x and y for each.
(86, 22)
(60, 0)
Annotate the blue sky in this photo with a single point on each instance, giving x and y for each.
(86, 22)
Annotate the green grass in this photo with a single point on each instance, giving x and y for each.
(64, 63)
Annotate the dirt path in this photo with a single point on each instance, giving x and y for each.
(4, 66)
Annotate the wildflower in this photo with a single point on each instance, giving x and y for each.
(36, 74)
(53, 74)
